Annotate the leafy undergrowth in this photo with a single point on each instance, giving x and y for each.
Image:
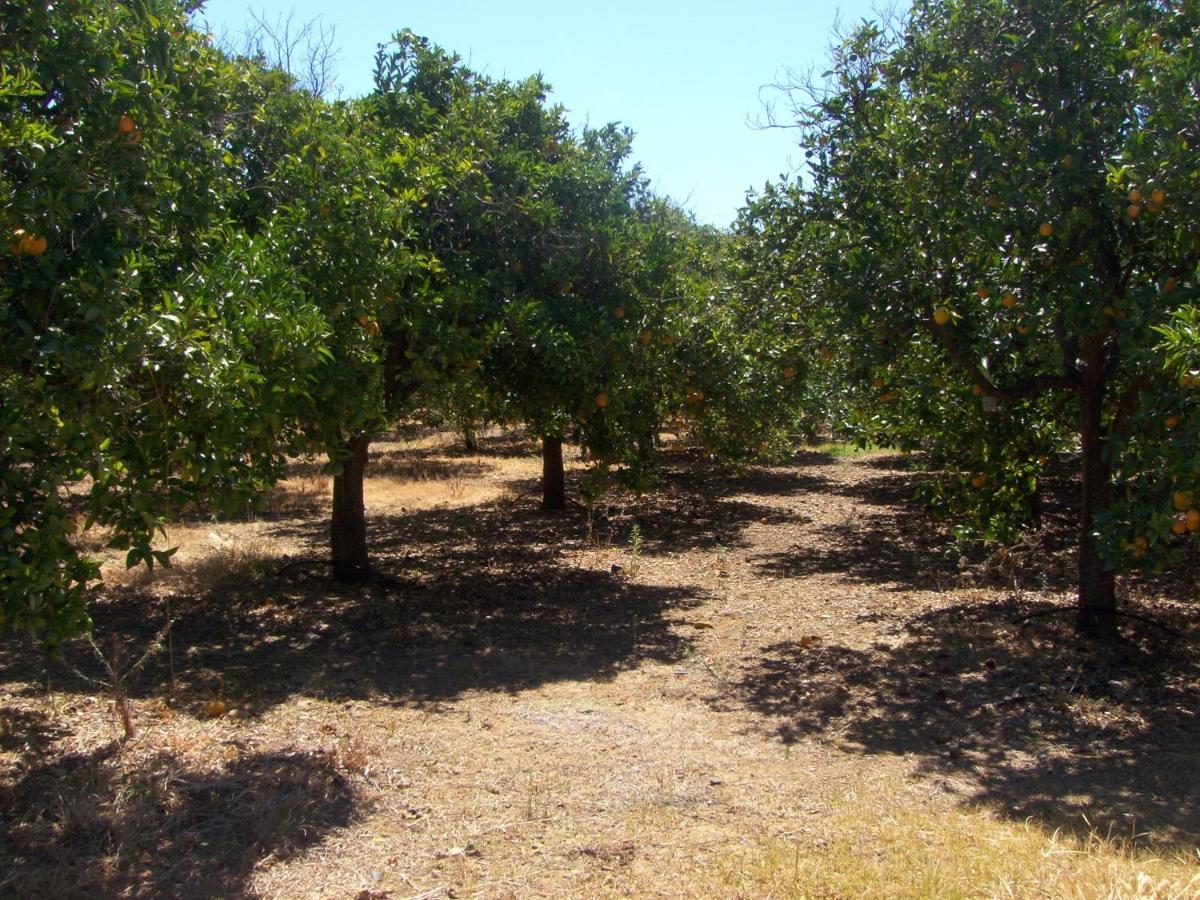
(784, 683)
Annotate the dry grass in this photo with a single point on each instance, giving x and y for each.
(878, 842)
(783, 688)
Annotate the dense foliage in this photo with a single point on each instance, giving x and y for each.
(208, 268)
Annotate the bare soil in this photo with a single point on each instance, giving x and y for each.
(624, 701)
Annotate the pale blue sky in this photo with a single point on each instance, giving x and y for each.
(685, 77)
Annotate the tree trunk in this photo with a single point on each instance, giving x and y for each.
(647, 446)
(348, 525)
(1097, 612)
(554, 480)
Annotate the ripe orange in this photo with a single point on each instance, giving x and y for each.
(941, 316)
(645, 337)
(1181, 500)
(1133, 211)
(889, 396)
(1010, 301)
(125, 125)
(789, 372)
(983, 293)
(1045, 229)
(1154, 208)
(1193, 519)
(993, 201)
(1169, 285)
(1159, 196)
(1171, 422)
(1024, 329)
(363, 319)
(977, 390)
(1135, 196)
(1179, 525)
(669, 340)
(979, 481)
(214, 708)
(879, 382)
(18, 244)
(35, 244)
(619, 312)
(601, 400)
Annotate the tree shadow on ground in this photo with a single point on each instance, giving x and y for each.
(1024, 718)
(159, 828)
(894, 542)
(893, 539)
(486, 597)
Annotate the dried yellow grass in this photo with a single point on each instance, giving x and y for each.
(891, 848)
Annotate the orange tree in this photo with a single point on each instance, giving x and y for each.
(1010, 190)
(139, 334)
(560, 345)
(318, 182)
(802, 386)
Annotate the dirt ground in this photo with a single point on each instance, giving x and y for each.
(655, 698)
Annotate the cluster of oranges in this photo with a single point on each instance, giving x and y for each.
(1139, 202)
(1187, 516)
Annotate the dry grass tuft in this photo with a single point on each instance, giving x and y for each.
(208, 560)
(884, 844)
(300, 495)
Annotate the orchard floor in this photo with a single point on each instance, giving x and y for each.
(789, 685)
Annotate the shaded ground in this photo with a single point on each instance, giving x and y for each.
(545, 705)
